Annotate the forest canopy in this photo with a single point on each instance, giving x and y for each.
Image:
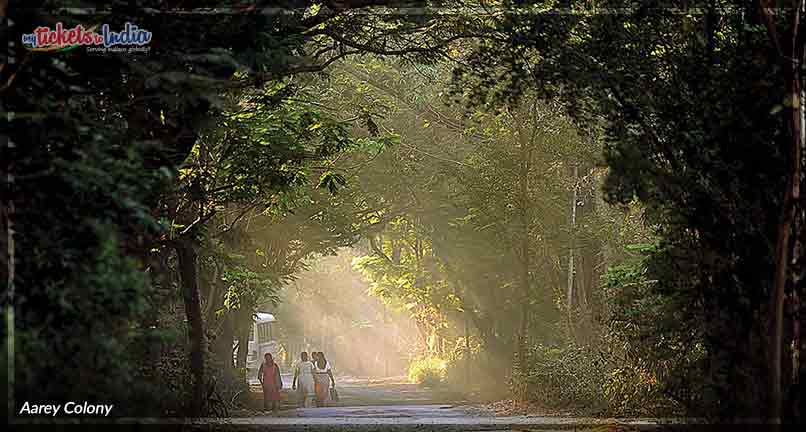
(592, 205)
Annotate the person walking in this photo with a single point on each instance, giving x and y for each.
(323, 377)
(303, 375)
(271, 381)
(317, 382)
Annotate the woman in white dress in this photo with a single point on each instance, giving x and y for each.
(303, 374)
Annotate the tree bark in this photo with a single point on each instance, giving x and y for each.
(223, 345)
(214, 299)
(570, 294)
(244, 327)
(187, 256)
(467, 348)
(791, 43)
(526, 255)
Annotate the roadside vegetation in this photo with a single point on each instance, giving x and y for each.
(598, 212)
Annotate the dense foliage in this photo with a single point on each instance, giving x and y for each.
(98, 142)
(697, 122)
(600, 210)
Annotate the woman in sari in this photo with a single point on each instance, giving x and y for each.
(270, 380)
(323, 377)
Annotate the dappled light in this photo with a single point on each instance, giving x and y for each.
(422, 215)
(328, 308)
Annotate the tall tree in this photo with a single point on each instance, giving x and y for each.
(144, 114)
(667, 87)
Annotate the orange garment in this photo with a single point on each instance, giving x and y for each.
(272, 383)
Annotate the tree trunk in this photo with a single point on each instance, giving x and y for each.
(798, 351)
(467, 348)
(214, 299)
(244, 328)
(526, 253)
(386, 346)
(422, 332)
(571, 250)
(8, 215)
(777, 304)
(223, 345)
(792, 43)
(187, 256)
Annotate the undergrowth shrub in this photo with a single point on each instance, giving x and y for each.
(428, 371)
(583, 378)
(633, 391)
(561, 377)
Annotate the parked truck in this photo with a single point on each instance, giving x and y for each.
(261, 341)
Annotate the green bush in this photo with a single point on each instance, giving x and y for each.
(230, 381)
(428, 371)
(656, 353)
(583, 377)
(633, 391)
(560, 377)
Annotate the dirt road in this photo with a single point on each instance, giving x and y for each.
(395, 405)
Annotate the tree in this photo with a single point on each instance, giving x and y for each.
(788, 40)
(475, 204)
(144, 115)
(247, 163)
(668, 88)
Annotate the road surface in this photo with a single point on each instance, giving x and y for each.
(375, 391)
(394, 405)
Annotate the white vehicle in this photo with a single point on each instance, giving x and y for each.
(261, 341)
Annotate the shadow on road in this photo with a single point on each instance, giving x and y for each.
(392, 404)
